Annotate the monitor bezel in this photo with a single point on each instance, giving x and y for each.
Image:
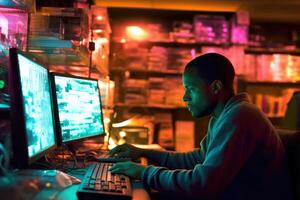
(21, 157)
(60, 141)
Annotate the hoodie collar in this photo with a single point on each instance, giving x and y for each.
(241, 97)
(236, 99)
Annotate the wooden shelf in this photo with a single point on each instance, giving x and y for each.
(271, 83)
(275, 117)
(159, 106)
(146, 71)
(272, 51)
(174, 44)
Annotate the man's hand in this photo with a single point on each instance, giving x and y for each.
(130, 169)
(126, 150)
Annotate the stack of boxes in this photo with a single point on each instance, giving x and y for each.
(178, 58)
(158, 58)
(211, 29)
(135, 92)
(157, 90)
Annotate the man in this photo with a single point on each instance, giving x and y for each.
(241, 156)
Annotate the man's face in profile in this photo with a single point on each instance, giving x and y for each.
(198, 95)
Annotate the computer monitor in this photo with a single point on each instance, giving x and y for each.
(78, 108)
(32, 120)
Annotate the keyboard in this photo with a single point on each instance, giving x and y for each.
(104, 156)
(99, 183)
(107, 159)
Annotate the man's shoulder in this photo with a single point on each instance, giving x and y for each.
(246, 115)
(243, 109)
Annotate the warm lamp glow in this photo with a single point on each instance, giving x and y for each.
(36, 51)
(122, 134)
(99, 18)
(136, 33)
(111, 143)
(102, 40)
(123, 40)
(99, 42)
(106, 120)
(98, 31)
(122, 124)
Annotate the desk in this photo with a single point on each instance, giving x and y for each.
(27, 182)
(138, 190)
(69, 193)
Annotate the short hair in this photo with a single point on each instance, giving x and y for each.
(213, 66)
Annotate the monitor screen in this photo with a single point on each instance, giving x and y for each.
(37, 106)
(33, 121)
(79, 107)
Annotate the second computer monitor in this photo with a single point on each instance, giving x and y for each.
(78, 107)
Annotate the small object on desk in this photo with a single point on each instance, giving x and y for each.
(34, 184)
(47, 178)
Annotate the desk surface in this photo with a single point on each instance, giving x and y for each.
(34, 185)
(54, 192)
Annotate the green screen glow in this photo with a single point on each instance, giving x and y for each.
(79, 108)
(37, 105)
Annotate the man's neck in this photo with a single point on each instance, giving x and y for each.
(221, 104)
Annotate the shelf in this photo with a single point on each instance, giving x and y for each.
(160, 106)
(273, 117)
(271, 83)
(174, 44)
(272, 51)
(146, 71)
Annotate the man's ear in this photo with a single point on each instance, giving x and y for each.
(216, 86)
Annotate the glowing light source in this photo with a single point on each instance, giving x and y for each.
(4, 25)
(122, 124)
(36, 51)
(136, 33)
(102, 40)
(111, 143)
(123, 40)
(289, 68)
(122, 134)
(2, 84)
(99, 18)
(106, 120)
(99, 42)
(98, 31)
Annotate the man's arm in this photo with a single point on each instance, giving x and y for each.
(175, 160)
(219, 168)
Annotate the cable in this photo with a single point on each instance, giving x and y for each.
(62, 158)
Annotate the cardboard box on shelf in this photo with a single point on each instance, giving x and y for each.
(184, 136)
